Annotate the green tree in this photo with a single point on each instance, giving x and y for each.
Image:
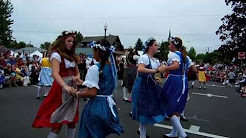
(233, 32)
(79, 37)
(21, 44)
(139, 44)
(163, 51)
(6, 9)
(45, 45)
(192, 53)
(199, 57)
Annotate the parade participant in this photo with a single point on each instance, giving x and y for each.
(45, 78)
(146, 107)
(100, 117)
(201, 76)
(175, 89)
(192, 77)
(64, 71)
(130, 73)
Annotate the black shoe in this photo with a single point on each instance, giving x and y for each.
(130, 114)
(37, 97)
(192, 86)
(139, 134)
(183, 118)
(165, 136)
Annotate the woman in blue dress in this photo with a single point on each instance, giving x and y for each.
(175, 89)
(100, 117)
(146, 103)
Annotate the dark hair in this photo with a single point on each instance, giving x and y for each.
(104, 55)
(149, 43)
(129, 58)
(179, 45)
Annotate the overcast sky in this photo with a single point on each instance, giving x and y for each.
(195, 21)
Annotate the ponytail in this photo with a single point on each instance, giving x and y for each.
(184, 53)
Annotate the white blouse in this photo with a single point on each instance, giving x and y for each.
(144, 59)
(172, 56)
(68, 64)
(92, 77)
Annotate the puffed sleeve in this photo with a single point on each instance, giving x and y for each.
(189, 62)
(173, 57)
(92, 77)
(158, 63)
(144, 59)
(56, 56)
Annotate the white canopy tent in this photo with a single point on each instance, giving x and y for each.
(37, 53)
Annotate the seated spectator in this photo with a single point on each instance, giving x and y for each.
(20, 62)
(19, 74)
(9, 75)
(2, 61)
(1, 77)
(34, 72)
(11, 60)
(26, 74)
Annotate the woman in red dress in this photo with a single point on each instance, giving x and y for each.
(64, 66)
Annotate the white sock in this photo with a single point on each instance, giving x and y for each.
(52, 135)
(193, 82)
(47, 90)
(177, 125)
(174, 133)
(71, 132)
(142, 130)
(125, 93)
(182, 114)
(38, 91)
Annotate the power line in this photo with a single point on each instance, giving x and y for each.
(124, 17)
(93, 33)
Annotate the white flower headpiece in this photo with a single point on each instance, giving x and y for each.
(175, 42)
(103, 48)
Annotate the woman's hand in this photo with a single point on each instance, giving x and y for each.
(73, 92)
(77, 81)
(67, 88)
(162, 69)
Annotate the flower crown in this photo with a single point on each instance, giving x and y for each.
(65, 33)
(103, 48)
(175, 42)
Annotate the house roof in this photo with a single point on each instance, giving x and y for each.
(111, 38)
(29, 50)
(85, 50)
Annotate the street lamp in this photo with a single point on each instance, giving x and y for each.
(105, 29)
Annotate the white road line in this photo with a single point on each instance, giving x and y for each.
(35, 86)
(210, 95)
(194, 128)
(215, 85)
(192, 131)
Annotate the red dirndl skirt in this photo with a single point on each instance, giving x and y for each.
(49, 105)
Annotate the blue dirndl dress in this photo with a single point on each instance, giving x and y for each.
(146, 100)
(100, 117)
(45, 78)
(175, 90)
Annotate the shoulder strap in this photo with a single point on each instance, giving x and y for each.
(149, 62)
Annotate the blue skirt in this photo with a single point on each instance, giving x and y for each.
(172, 94)
(97, 120)
(146, 101)
(45, 77)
